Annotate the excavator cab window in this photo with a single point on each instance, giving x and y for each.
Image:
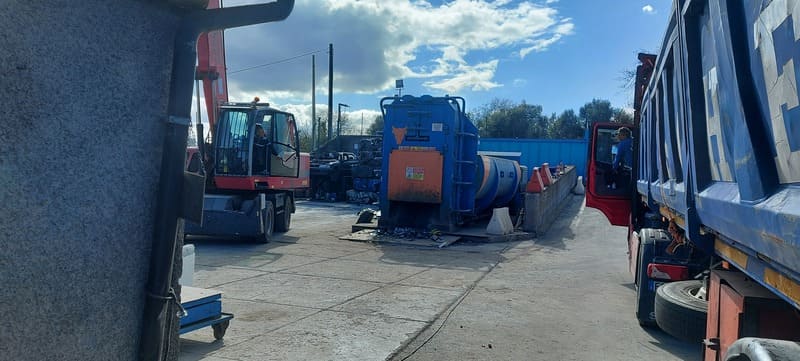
(284, 157)
(232, 142)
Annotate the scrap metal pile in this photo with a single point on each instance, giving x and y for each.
(353, 176)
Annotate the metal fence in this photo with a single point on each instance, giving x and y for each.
(538, 151)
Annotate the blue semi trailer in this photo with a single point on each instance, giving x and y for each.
(711, 197)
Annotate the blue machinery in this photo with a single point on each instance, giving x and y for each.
(433, 175)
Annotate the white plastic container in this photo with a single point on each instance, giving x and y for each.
(187, 277)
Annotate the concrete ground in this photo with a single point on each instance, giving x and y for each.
(310, 296)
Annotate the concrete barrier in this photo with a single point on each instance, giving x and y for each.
(542, 208)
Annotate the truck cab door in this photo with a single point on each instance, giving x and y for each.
(607, 189)
(284, 153)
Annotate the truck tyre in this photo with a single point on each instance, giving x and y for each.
(645, 320)
(268, 217)
(679, 313)
(284, 220)
(650, 241)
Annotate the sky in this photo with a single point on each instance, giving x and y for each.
(559, 54)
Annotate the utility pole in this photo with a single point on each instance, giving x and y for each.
(319, 129)
(313, 103)
(330, 91)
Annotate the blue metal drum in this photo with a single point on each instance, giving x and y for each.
(499, 182)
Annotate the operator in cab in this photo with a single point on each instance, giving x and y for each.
(260, 143)
(623, 159)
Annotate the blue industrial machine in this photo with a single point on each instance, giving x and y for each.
(432, 173)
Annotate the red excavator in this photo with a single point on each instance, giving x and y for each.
(252, 162)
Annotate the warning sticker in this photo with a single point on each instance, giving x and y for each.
(415, 173)
(437, 127)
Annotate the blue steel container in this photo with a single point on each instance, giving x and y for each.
(432, 174)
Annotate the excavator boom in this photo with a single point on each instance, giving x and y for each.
(211, 69)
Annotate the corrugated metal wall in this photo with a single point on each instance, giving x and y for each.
(537, 151)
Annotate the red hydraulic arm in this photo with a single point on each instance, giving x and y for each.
(211, 69)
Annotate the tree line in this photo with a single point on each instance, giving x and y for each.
(503, 118)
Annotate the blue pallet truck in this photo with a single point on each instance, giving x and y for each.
(203, 308)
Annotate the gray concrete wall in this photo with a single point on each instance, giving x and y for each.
(84, 87)
(542, 209)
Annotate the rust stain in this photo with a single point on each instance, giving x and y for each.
(399, 134)
(672, 216)
(772, 237)
(782, 283)
(736, 256)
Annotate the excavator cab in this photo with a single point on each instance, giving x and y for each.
(254, 140)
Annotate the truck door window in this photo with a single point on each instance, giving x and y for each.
(605, 146)
(611, 180)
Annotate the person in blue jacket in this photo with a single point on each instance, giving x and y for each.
(623, 159)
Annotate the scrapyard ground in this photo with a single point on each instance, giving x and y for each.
(308, 295)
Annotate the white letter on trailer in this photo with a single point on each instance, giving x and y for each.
(781, 90)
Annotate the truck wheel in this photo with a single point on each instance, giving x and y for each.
(268, 217)
(644, 297)
(679, 310)
(650, 240)
(284, 220)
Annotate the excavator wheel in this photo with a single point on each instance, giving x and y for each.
(284, 220)
(268, 217)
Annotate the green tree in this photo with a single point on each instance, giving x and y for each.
(622, 116)
(322, 130)
(567, 125)
(377, 126)
(538, 122)
(304, 133)
(596, 111)
(504, 119)
(482, 116)
(344, 125)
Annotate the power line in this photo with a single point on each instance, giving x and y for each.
(279, 61)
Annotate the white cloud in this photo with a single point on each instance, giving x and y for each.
(475, 78)
(648, 9)
(453, 46)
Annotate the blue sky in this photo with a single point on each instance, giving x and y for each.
(559, 54)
